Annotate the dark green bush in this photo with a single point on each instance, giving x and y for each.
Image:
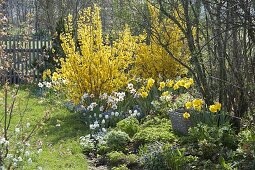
(245, 154)
(129, 125)
(211, 142)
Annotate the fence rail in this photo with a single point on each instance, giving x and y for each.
(26, 54)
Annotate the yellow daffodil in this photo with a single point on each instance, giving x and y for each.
(176, 86)
(186, 115)
(144, 94)
(213, 108)
(197, 102)
(162, 85)
(150, 83)
(218, 106)
(170, 83)
(188, 105)
(166, 93)
(55, 76)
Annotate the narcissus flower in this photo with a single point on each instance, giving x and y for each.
(166, 93)
(188, 105)
(215, 107)
(162, 85)
(176, 86)
(186, 115)
(150, 83)
(170, 83)
(144, 94)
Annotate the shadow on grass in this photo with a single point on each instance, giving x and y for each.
(63, 126)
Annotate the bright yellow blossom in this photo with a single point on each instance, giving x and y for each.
(144, 94)
(170, 83)
(213, 108)
(150, 83)
(166, 93)
(218, 106)
(197, 104)
(55, 76)
(176, 86)
(162, 85)
(186, 115)
(188, 105)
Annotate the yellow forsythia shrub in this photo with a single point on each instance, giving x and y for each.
(153, 60)
(94, 66)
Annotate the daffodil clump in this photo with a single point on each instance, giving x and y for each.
(197, 105)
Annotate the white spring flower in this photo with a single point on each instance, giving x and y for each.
(101, 108)
(39, 168)
(100, 115)
(103, 130)
(92, 96)
(2, 140)
(106, 116)
(96, 124)
(29, 161)
(103, 121)
(17, 130)
(27, 153)
(114, 106)
(92, 127)
(117, 114)
(138, 114)
(112, 113)
(130, 112)
(103, 96)
(130, 86)
(132, 91)
(28, 125)
(40, 85)
(48, 85)
(85, 95)
(20, 159)
(95, 114)
(39, 150)
(9, 156)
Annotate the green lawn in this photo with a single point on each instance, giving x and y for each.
(59, 135)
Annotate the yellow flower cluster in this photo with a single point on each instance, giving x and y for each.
(215, 107)
(153, 60)
(46, 73)
(184, 82)
(196, 104)
(94, 66)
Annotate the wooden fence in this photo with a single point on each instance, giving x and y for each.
(26, 54)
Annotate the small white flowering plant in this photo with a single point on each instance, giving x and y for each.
(15, 149)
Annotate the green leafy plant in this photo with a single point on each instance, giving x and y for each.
(117, 140)
(154, 130)
(115, 158)
(129, 125)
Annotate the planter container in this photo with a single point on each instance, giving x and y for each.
(180, 125)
